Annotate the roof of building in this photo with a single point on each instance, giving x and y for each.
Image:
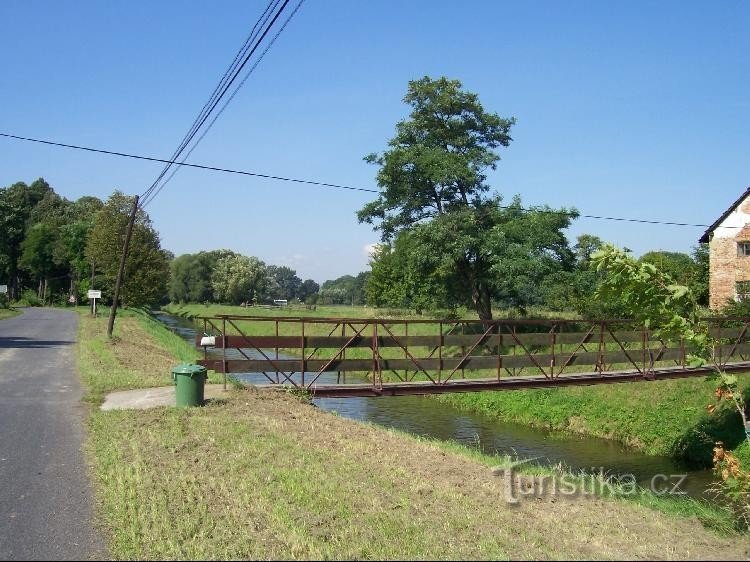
(706, 235)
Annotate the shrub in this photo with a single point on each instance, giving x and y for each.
(30, 298)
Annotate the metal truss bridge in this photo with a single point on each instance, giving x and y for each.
(346, 357)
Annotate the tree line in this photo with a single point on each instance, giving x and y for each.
(52, 248)
(224, 276)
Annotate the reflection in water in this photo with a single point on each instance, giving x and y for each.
(423, 416)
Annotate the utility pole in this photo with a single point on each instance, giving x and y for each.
(121, 270)
(91, 286)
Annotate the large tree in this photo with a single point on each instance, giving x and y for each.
(462, 246)
(147, 265)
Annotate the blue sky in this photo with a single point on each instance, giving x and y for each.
(632, 109)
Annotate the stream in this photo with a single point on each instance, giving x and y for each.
(424, 416)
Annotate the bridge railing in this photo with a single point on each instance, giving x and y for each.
(297, 351)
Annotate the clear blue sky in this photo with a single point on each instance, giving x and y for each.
(633, 109)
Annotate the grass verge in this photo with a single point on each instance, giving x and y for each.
(265, 475)
(140, 354)
(8, 313)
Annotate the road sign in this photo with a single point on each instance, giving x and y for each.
(95, 294)
(3, 289)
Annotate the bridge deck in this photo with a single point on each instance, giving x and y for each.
(505, 383)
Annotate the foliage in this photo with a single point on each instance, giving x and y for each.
(346, 289)
(16, 205)
(190, 276)
(283, 283)
(735, 482)
(671, 310)
(651, 297)
(193, 277)
(456, 242)
(147, 265)
(308, 291)
(472, 256)
(37, 251)
(30, 298)
(237, 279)
(691, 271)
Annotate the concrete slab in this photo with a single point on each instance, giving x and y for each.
(145, 398)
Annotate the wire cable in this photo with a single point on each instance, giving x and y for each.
(218, 99)
(262, 19)
(313, 182)
(223, 108)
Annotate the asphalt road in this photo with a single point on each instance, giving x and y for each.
(45, 493)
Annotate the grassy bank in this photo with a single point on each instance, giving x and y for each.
(264, 475)
(660, 418)
(141, 353)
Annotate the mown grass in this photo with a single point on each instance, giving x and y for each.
(265, 476)
(140, 354)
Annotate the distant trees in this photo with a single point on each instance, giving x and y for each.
(16, 205)
(237, 279)
(283, 283)
(346, 289)
(190, 276)
(42, 239)
(229, 277)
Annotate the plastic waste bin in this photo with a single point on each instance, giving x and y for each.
(190, 381)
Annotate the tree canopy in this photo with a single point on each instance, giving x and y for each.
(448, 240)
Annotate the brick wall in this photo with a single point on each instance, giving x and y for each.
(727, 268)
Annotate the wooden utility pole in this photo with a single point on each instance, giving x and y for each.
(121, 270)
(91, 286)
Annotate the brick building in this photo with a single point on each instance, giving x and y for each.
(729, 249)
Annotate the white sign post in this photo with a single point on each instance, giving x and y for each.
(3, 289)
(95, 295)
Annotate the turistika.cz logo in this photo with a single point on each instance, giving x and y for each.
(594, 483)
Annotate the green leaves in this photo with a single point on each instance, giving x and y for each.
(449, 242)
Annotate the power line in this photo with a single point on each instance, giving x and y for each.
(203, 116)
(318, 183)
(227, 73)
(226, 104)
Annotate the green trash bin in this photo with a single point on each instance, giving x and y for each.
(190, 381)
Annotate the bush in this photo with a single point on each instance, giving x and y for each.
(4, 302)
(30, 298)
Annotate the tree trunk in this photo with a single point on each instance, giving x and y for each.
(480, 295)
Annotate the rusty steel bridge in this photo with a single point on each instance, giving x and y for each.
(391, 357)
